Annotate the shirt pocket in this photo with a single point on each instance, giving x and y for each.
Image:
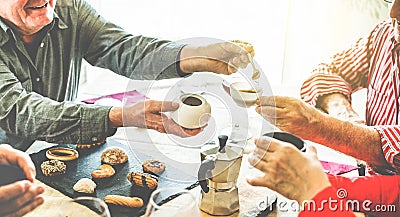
(378, 103)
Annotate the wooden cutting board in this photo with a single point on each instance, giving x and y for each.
(90, 160)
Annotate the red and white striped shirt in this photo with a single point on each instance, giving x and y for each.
(372, 63)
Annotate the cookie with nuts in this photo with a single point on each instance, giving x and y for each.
(114, 156)
(53, 167)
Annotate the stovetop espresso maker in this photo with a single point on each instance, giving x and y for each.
(218, 174)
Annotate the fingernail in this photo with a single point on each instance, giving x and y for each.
(40, 189)
(253, 158)
(175, 105)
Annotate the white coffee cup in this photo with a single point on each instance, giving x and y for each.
(244, 94)
(193, 112)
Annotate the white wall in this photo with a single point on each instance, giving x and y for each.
(289, 36)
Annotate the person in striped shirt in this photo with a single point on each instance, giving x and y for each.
(373, 63)
(299, 176)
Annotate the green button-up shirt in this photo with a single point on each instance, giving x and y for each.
(36, 94)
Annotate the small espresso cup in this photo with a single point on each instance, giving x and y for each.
(290, 138)
(193, 112)
(244, 94)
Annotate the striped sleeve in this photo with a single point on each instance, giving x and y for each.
(345, 73)
(390, 140)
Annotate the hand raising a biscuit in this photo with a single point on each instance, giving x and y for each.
(221, 58)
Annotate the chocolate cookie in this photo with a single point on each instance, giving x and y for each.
(153, 166)
(143, 179)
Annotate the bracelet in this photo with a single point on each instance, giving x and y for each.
(62, 154)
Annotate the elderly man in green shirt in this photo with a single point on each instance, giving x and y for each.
(42, 45)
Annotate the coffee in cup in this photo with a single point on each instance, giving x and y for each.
(193, 112)
(244, 94)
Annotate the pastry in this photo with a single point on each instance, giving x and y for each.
(123, 200)
(88, 146)
(114, 156)
(53, 167)
(84, 185)
(153, 166)
(143, 179)
(105, 171)
(245, 45)
(63, 154)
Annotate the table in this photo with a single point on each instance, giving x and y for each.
(166, 145)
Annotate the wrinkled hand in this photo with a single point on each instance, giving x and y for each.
(288, 171)
(150, 114)
(289, 114)
(21, 197)
(222, 58)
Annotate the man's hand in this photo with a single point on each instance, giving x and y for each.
(288, 171)
(150, 114)
(11, 156)
(338, 106)
(222, 58)
(21, 197)
(290, 114)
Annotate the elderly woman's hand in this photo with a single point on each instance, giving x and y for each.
(288, 171)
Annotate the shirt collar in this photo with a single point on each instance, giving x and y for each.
(4, 36)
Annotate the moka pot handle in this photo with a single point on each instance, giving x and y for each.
(204, 172)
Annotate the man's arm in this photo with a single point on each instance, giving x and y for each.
(297, 117)
(356, 140)
(30, 115)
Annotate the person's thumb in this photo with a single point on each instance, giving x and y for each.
(311, 149)
(168, 106)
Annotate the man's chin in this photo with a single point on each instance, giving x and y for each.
(397, 38)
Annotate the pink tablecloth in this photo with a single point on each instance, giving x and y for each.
(336, 168)
(131, 97)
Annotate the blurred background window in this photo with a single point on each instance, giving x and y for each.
(289, 36)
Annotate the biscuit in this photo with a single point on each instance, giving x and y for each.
(124, 201)
(143, 179)
(63, 154)
(85, 185)
(53, 167)
(105, 171)
(114, 156)
(153, 166)
(245, 46)
(88, 146)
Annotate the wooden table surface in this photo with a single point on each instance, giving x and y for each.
(250, 197)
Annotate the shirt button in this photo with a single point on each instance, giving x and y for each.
(94, 139)
(37, 79)
(42, 44)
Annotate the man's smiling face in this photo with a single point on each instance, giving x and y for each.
(27, 16)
